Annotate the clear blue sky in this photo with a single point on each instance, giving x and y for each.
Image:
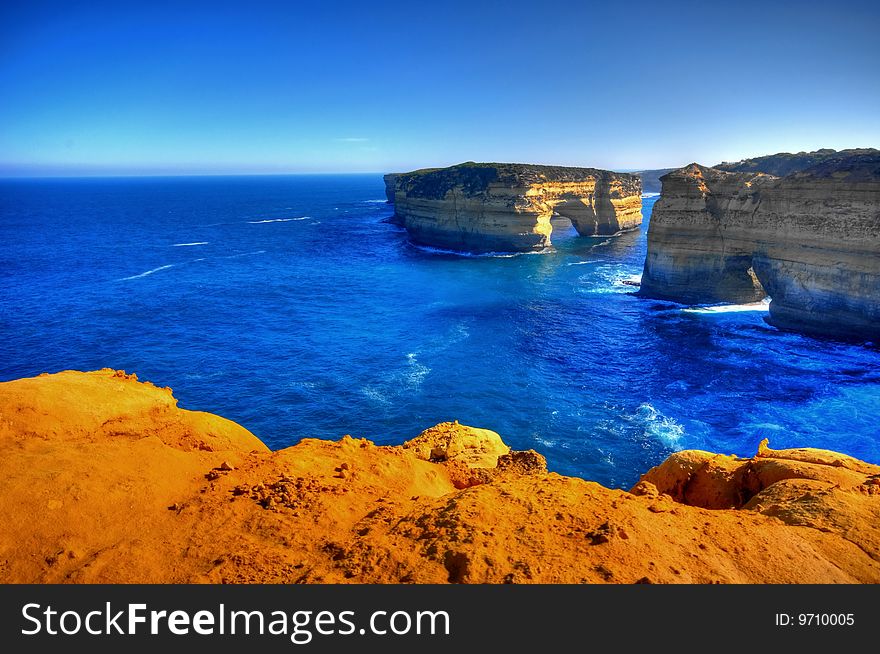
(227, 87)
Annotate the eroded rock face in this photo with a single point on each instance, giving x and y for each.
(507, 207)
(717, 481)
(810, 240)
(106, 480)
(390, 186)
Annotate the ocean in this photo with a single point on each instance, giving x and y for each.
(288, 304)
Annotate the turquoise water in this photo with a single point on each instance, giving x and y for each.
(287, 304)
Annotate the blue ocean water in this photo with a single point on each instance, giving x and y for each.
(287, 304)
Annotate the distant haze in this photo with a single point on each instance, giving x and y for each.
(108, 88)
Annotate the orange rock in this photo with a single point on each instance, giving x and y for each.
(451, 441)
(715, 481)
(105, 479)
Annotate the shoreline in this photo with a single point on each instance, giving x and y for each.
(107, 480)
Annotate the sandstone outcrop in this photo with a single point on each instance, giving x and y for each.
(491, 207)
(450, 441)
(809, 240)
(105, 479)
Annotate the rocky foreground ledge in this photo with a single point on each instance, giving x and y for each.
(498, 207)
(105, 479)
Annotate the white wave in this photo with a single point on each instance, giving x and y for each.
(584, 263)
(397, 382)
(375, 395)
(607, 241)
(276, 220)
(449, 338)
(610, 238)
(549, 443)
(382, 201)
(149, 272)
(629, 280)
(650, 195)
(661, 427)
(477, 255)
(763, 307)
(186, 245)
(609, 278)
(417, 371)
(459, 333)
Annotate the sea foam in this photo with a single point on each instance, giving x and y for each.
(277, 220)
(149, 272)
(584, 263)
(656, 425)
(762, 306)
(476, 255)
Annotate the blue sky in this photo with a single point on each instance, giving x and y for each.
(252, 87)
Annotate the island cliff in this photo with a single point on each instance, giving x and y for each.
(390, 186)
(105, 479)
(491, 207)
(810, 240)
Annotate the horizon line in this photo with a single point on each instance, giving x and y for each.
(111, 175)
(160, 175)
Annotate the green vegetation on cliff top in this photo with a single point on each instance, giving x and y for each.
(787, 163)
(474, 178)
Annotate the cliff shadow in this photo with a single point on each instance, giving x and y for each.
(587, 216)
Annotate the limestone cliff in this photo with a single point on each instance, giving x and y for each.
(105, 479)
(390, 186)
(809, 240)
(507, 207)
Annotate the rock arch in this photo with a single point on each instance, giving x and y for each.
(508, 207)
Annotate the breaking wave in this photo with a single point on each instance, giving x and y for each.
(763, 306)
(660, 427)
(149, 272)
(277, 220)
(476, 255)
